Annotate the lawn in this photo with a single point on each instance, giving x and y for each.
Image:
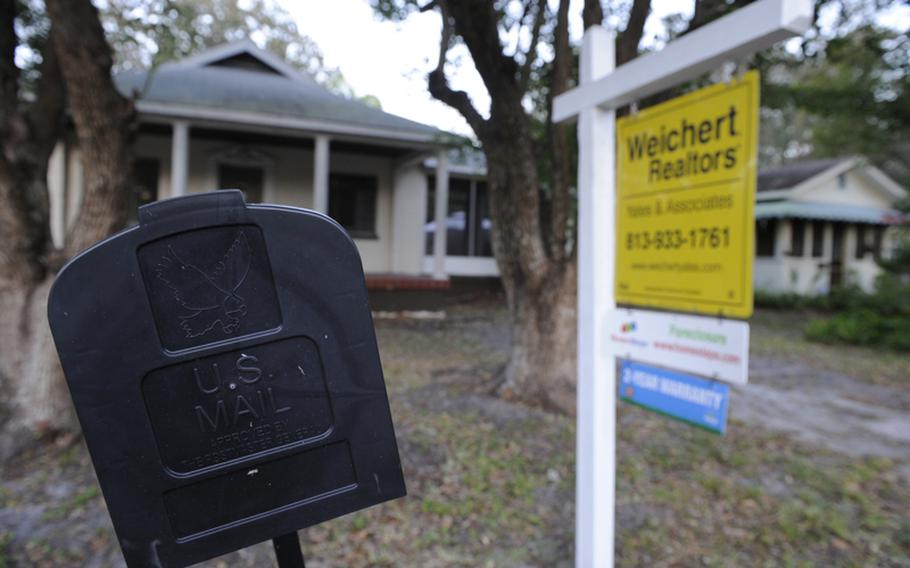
(491, 482)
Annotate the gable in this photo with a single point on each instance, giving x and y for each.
(848, 188)
(245, 61)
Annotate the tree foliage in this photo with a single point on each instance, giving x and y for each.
(846, 91)
(147, 33)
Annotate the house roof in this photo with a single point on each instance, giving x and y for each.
(463, 161)
(226, 82)
(827, 212)
(791, 175)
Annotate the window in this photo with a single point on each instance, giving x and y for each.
(483, 242)
(467, 220)
(248, 179)
(352, 202)
(144, 184)
(765, 230)
(797, 237)
(818, 239)
(842, 181)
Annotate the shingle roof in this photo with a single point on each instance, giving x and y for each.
(269, 94)
(791, 175)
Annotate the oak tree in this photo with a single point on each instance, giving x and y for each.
(71, 81)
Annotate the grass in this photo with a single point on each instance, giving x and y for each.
(779, 335)
(75, 502)
(491, 483)
(498, 487)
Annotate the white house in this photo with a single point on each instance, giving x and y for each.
(822, 224)
(236, 116)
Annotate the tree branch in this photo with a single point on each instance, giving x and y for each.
(531, 54)
(592, 14)
(103, 119)
(627, 42)
(558, 138)
(477, 22)
(9, 73)
(45, 115)
(22, 232)
(439, 86)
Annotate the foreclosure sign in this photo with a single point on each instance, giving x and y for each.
(709, 347)
(686, 172)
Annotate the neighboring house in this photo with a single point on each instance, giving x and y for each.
(236, 116)
(821, 224)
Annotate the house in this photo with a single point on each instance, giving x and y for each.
(821, 224)
(236, 116)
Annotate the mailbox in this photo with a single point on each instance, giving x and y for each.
(223, 365)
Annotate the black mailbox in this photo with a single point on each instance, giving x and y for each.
(223, 364)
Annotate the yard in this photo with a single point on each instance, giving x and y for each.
(813, 470)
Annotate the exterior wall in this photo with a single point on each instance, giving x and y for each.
(289, 181)
(768, 271)
(860, 271)
(376, 254)
(808, 275)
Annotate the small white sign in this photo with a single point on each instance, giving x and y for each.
(710, 347)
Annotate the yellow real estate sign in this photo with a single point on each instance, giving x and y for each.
(686, 173)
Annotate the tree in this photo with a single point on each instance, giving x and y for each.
(73, 68)
(147, 33)
(851, 94)
(529, 164)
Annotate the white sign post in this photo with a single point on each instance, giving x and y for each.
(594, 101)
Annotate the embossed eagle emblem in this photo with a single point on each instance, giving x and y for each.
(209, 296)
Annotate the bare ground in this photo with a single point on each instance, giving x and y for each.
(809, 473)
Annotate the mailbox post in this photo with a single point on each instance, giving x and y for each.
(224, 368)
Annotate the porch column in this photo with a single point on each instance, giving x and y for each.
(180, 156)
(321, 175)
(440, 216)
(56, 192)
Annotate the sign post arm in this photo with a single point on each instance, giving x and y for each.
(739, 34)
(596, 414)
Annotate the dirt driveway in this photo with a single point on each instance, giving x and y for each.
(851, 400)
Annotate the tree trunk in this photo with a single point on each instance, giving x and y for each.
(540, 283)
(541, 368)
(35, 398)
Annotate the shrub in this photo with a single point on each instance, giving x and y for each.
(881, 319)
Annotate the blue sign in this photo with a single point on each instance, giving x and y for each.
(698, 401)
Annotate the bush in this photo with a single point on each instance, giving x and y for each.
(881, 319)
(782, 300)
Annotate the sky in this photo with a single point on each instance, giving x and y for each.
(391, 60)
